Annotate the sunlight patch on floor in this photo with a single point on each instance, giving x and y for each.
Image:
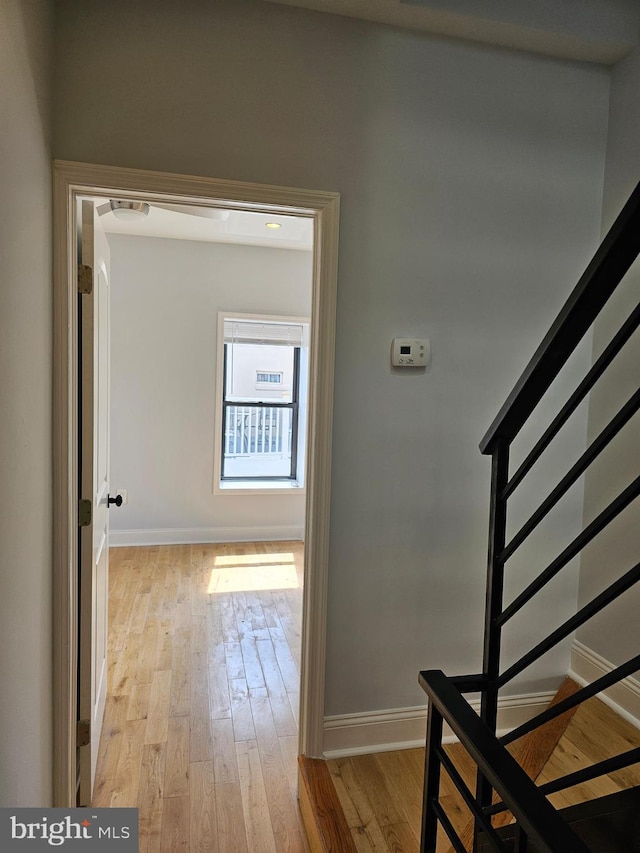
(252, 559)
(248, 572)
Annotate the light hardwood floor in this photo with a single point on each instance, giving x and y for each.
(200, 729)
(381, 794)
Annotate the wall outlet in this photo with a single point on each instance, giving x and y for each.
(125, 496)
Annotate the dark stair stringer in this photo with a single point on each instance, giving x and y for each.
(610, 824)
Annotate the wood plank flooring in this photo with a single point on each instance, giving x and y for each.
(381, 794)
(200, 729)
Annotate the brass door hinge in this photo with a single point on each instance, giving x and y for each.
(84, 513)
(83, 733)
(85, 278)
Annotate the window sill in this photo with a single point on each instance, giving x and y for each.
(259, 487)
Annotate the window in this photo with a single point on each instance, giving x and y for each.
(261, 411)
(272, 378)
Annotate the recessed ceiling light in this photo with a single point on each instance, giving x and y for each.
(272, 224)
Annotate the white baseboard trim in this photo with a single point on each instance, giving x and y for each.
(406, 728)
(194, 535)
(623, 698)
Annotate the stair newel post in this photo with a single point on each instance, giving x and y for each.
(493, 604)
(431, 789)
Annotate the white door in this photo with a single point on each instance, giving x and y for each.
(94, 486)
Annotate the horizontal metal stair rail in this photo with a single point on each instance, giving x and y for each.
(608, 765)
(611, 262)
(597, 686)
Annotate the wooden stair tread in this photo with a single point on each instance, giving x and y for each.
(360, 787)
(533, 750)
(324, 821)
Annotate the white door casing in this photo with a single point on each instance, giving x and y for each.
(94, 486)
(71, 181)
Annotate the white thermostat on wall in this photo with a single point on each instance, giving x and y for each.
(410, 352)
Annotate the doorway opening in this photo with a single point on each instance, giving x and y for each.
(73, 181)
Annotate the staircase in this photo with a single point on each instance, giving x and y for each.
(608, 825)
(509, 812)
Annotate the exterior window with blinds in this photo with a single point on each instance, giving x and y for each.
(260, 400)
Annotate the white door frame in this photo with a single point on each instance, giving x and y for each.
(77, 179)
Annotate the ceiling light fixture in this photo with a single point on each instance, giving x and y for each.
(272, 224)
(131, 211)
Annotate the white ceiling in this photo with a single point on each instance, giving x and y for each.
(243, 227)
(601, 31)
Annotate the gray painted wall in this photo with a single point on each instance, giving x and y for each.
(471, 184)
(25, 413)
(165, 298)
(614, 633)
(588, 19)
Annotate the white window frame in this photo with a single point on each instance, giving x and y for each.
(260, 487)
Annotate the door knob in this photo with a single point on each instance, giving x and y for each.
(117, 500)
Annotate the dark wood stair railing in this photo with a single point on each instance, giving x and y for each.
(493, 795)
(537, 819)
(532, 752)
